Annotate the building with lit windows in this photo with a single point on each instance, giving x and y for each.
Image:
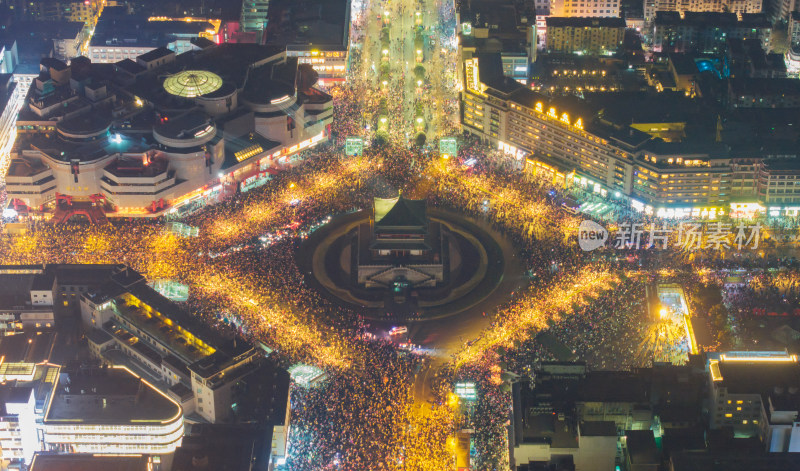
(757, 394)
(26, 300)
(44, 461)
(166, 133)
(510, 30)
(707, 32)
(25, 392)
(330, 63)
(584, 35)
(718, 6)
(584, 8)
(112, 411)
(579, 142)
(254, 16)
(317, 34)
(214, 377)
(59, 10)
(119, 35)
(757, 92)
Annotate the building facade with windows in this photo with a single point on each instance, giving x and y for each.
(707, 32)
(719, 6)
(571, 143)
(756, 395)
(147, 140)
(584, 8)
(112, 411)
(584, 35)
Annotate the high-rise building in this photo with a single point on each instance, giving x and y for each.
(254, 15)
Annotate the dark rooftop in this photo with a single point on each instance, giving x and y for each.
(130, 66)
(155, 54)
(27, 347)
(585, 22)
(87, 462)
(755, 377)
(642, 447)
(404, 212)
(742, 86)
(606, 428)
(312, 22)
(733, 461)
(227, 447)
(109, 396)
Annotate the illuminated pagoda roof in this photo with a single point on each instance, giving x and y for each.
(400, 212)
(192, 83)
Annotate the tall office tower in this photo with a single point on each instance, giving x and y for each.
(254, 15)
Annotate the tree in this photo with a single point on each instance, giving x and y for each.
(420, 140)
(419, 72)
(720, 323)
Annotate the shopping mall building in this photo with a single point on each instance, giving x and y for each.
(650, 165)
(164, 133)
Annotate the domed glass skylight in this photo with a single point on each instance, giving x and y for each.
(192, 83)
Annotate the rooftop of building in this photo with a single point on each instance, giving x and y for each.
(600, 428)
(782, 164)
(155, 54)
(231, 62)
(98, 336)
(642, 448)
(13, 395)
(15, 290)
(60, 149)
(230, 359)
(87, 462)
(136, 31)
(109, 396)
(743, 86)
(711, 19)
(585, 22)
(318, 22)
(183, 126)
(683, 64)
(29, 347)
(733, 461)
(759, 377)
(399, 212)
(264, 396)
(233, 447)
(44, 29)
(251, 143)
(644, 107)
(505, 16)
(39, 378)
(699, 149)
(84, 274)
